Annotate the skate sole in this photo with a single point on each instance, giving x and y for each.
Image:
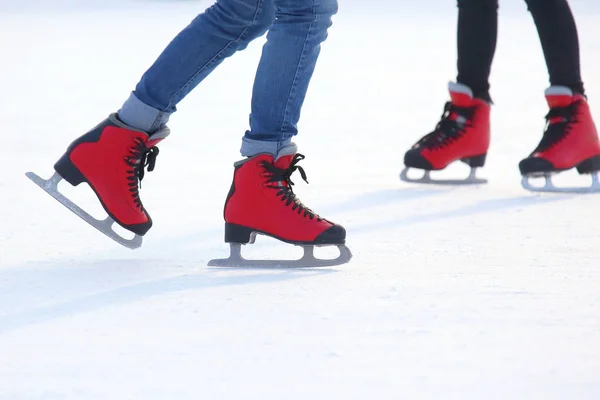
(50, 186)
(472, 161)
(248, 236)
(590, 166)
(235, 233)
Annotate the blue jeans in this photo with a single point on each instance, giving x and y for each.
(296, 30)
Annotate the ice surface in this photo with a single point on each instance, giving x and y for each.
(484, 292)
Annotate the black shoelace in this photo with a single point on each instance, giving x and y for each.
(448, 130)
(140, 157)
(278, 175)
(556, 131)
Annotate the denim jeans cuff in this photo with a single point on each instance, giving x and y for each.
(251, 147)
(140, 115)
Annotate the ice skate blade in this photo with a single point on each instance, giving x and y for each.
(308, 259)
(426, 179)
(50, 186)
(550, 188)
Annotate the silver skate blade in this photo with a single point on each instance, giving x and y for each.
(50, 186)
(308, 259)
(550, 188)
(426, 179)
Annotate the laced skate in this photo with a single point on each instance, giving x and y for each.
(462, 134)
(570, 140)
(111, 159)
(261, 202)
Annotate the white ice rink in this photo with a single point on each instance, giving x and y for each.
(486, 292)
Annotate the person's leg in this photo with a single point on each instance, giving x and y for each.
(261, 199)
(463, 131)
(223, 29)
(570, 138)
(112, 157)
(284, 72)
(558, 34)
(476, 44)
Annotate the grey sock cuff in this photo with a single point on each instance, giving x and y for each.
(251, 147)
(140, 115)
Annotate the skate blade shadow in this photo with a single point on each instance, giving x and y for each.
(99, 279)
(482, 207)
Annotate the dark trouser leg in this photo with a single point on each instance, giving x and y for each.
(476, 44)
(558, 35)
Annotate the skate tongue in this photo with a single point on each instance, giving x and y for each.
(158, 136)
(283, 162)
(285, 156)
(559, 96)
(284, 159)
(461, 95)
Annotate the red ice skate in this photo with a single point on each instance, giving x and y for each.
(261, 201)
(570, 140)
(463, 133)
(111, 159)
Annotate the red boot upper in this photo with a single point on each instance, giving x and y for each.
(463, 132)
(570, 135)
(110, 157)
(258, 203)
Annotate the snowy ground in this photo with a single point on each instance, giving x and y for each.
(485, 292)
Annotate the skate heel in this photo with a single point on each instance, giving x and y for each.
(475, 162)
(589, 166)
(68, 171)
(238, 234)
